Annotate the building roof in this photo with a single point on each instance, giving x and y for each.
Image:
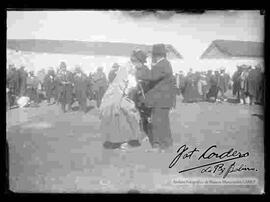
(229, 48)
(82, 47)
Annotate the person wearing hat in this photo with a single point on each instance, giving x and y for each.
(180, 82)
(259, 84)
(100, 84)
(142, 75)
(222, 83)
(252, 85)
(12, 85)
(112, 73)
(22, 81)
(213, 91)
(65, 87)
(160, 98)
(32, 85)
(237, 81)
(50, 85)
(244, 83)
(80, 88)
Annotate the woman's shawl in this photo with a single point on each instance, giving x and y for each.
(116, 96)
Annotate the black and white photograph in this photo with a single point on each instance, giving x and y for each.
(135, 101)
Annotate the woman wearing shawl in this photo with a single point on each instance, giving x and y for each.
(118, 114)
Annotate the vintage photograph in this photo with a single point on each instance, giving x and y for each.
(135, 101)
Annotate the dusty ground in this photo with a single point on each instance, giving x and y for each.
(55, 152)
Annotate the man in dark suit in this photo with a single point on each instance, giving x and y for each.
(50, 85)
(80, 87)
(100, 84)
(160, 97)
(22, 81)
(65, 88)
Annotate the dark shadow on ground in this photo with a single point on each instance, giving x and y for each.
(260, 116)
(89, 108)
(233, 100)
(77, 108)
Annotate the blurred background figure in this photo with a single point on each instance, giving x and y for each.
(100, 85)
(244, 84)
(202, 86)
(32, 88)
(80, 88)
(22, 80)
(65, 87)
(50, 86)
(213, 90)
(259, 84)
(223, 82)
(112, 73)
(236, 78)
(12, 84)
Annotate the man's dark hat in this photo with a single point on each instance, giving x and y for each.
(159, 50)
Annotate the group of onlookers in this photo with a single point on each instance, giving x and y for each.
(63, 86)
(246, 82)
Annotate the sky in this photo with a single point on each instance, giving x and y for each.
(189, 34)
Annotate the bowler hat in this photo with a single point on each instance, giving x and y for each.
(159, 50)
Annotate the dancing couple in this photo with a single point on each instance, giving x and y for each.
(137, 103)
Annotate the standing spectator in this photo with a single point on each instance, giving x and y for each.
(65, 87)
(244, 84)
(252, 85)
(190, 89)
(22, 81)
(50, 86)
(237, 82)
(181, 82)
(90, 92)
(112, 73)
(213, 91)
(32, 86)
(222, 83)
(80, 87)
(12, 84)
(202, 86)
(100, 84)
(259, 84)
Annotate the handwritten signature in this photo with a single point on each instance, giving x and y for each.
(214, 167)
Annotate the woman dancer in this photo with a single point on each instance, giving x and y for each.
(118, 114)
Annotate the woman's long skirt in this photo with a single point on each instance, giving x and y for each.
(120, 128)
(161, 127)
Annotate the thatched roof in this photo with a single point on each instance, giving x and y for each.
(228, 48)
(82, 47)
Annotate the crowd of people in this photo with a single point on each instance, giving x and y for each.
(63, 86)
(246, 82)
(128, 109)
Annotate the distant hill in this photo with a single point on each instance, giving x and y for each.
(83, 47)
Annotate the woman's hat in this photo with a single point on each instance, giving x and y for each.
(115, 65)
(159, 50)
(139, 55)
